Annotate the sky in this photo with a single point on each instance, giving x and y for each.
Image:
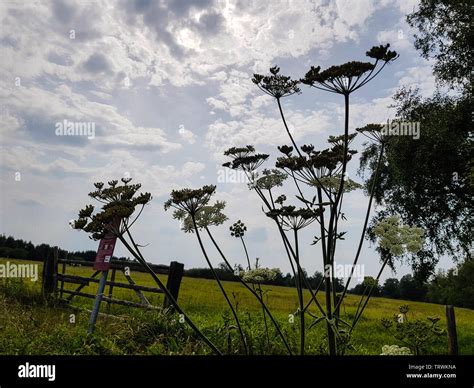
(166, 87)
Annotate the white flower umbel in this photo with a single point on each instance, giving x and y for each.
(395, 350)
(398, 238)
(258, 275)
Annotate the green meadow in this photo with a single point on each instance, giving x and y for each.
(31, 325)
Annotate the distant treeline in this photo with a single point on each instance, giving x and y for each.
(287, 280)
(454, 287)
(13, 248)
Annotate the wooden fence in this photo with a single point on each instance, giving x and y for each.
(54, 282)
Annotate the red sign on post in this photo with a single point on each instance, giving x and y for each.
(106, 248)
(104, 253)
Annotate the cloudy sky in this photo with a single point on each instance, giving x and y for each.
(167, 85)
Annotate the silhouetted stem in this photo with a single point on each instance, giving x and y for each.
(220, 285)
(286, 127)
(264, 306)
(139, 257)
(301, 300)
(246, 253)
(366, 221)
(260, 291)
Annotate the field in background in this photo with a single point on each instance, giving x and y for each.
(32, 328)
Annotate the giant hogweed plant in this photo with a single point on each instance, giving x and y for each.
(121, 206)
(320, 178)
(193, 209)
(417, 335)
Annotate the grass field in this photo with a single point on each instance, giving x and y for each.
(29, 326)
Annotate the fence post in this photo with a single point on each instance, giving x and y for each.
(98, 299)
(173, 283)
(50, 266)
(452, 334)
(55, 270)
(111, 288)
(63, 272)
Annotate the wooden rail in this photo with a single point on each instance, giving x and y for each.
(111, 300)
(51, 279)
(115, 264)
(82, 280)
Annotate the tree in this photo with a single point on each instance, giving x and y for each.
(444, 33)
(455, 287)
(222, 267)
(358, 289)
(428, 182)
(412, 289)
(370, 282)
(19, 253)
(391, 288)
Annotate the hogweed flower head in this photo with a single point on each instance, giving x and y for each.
(280, 199)
(244, 158)
(275, 84)
(397, 238)
(315, 163)
(208, 215)
(270, 179)
(190, 200)
(118, 204)
(395, 350)
(240, 152)
(293, 218)
(350, 76)
(373, 132)
(331, 183)
(382, 53)
(238, 229)
(259, 275)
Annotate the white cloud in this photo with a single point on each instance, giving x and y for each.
(186, 134)
(374, 111)
(264, 130)
(421, 77)
(63, 103)
(355, 12)
(407, 6)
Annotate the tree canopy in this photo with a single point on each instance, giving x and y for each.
(444, 33)
(429, 181)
